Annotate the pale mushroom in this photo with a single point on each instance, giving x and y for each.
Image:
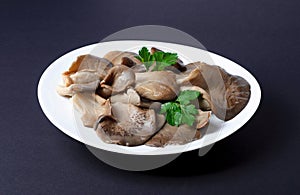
(229, 93)
(94, 68)
(170, 135)
(128, 97)
(91, 106)
(159, 85)
(122, 57)
(117, 80)
(77, 88)
(129, 125)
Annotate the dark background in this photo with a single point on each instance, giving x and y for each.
(261, 158)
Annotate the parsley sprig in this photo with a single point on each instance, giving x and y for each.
(160, 58)
(181, 111)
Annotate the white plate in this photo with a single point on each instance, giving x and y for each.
(60, 111)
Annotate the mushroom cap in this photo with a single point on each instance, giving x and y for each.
(91, 106)
(122, 57)
(159, 85)
(229, 93)
(130, 97)
(180, 135)
(86, 63)
(77, 88)
(129, 125)
(118, 79)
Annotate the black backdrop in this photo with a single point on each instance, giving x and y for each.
(262, 157)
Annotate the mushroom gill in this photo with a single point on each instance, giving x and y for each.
(129, 125)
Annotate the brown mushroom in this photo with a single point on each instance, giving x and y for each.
(159, 85)
(91, 106)
(122, 57)
(77, 88)
(117, 80)
(139, 68)
(229, 93)
(129, 125)
(130, 97)
(127, 62)
(94, 68)
(183, 134)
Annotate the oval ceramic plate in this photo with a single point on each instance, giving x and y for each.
(60, 112)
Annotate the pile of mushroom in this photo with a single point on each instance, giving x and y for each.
(121, 100)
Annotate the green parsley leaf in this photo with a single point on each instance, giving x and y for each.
(145, 57)
(188, 114)
(144, 54)
(177, 118)
(186, 96)
(171, 109)
(181, 111)
(160, 58)
(170, 58)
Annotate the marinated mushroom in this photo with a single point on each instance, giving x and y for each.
(229, 93)
(77, 88)
(170, 135)
(118, 79)
(160, 85)
(129, 125)
(130, 97)
(139, 68)
(85, 69)
(91, 106)
(128, 62)
(122, 57)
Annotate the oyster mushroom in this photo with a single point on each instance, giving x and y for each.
(91, 106)
(179, 135)
(130, 97)
(122, 57)
(127, 62)
(139, 68)
(85, 76)
(229, 93)
(159, 85)
(85, 69)
(129, 125)
(77, 88)
(117, 80)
